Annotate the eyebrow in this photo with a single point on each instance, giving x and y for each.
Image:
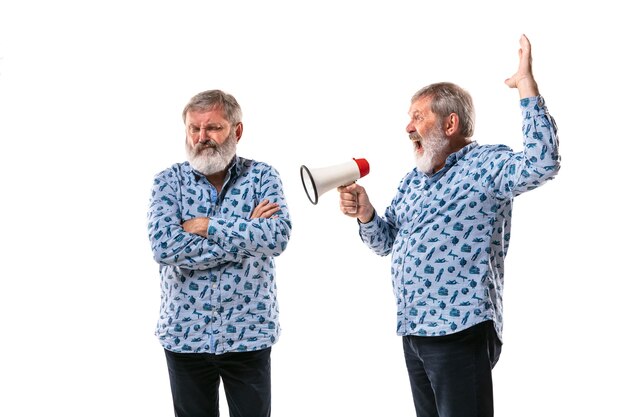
(209, 125)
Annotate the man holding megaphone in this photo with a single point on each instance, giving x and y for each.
(448, 231)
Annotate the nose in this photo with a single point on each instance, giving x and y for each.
(203, 136)
(409, 128)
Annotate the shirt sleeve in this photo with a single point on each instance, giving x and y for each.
(539, 162)
(379, 234)
(256, 237)
(171, 245)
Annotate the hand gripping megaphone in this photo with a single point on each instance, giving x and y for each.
(317, 181)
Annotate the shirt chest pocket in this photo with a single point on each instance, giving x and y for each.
(195, 202)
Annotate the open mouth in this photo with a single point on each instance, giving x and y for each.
(417, 143)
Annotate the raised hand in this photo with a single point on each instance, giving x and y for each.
(523, 79)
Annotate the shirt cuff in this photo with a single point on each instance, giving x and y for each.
(371, 225)
(533, 106)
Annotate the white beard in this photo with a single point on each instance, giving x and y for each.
(435, 144)
(210, 158)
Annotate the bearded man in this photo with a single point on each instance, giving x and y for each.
(215, 224)
(448, 230)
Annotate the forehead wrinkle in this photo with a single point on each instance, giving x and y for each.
(201, 118)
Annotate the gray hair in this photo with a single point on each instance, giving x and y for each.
(450, 98)
(215, 99)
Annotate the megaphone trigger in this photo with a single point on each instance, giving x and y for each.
(317, 181)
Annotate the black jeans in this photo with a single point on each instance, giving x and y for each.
(195, 381)
(451, 375)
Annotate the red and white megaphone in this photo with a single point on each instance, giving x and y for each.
(317, 181)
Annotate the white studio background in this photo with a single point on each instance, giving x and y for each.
(90, 101)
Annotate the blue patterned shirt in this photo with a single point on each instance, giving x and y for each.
(448, 233)
(218, 294)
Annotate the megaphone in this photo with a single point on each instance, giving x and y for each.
(317, 181)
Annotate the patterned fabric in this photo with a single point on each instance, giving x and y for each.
(449, 233)
(218, 294)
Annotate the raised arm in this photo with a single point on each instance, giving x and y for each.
(540, 160)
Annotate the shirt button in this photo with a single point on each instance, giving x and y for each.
(541, 102)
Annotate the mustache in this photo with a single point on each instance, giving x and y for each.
(207, 144)
(415, 137)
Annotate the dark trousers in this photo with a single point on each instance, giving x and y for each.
(451, 375)
(195, 380)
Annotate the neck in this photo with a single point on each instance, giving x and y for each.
(217, 180)
(454, 147)
(459, 144)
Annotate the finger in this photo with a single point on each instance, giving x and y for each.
(350, 211)
(525, 50)
(268, 207)
(258, 210)
(265, 212)
(349, 205)
(269, 213)
(347, 188)
(525, 42)
(348, 198)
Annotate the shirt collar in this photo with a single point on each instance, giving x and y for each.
(454, 157)
(451, 160)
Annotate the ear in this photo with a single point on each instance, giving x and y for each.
(451, 124)
(239, 130)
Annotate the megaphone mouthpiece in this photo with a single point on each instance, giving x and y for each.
(317, 181)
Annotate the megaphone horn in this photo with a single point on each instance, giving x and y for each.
(317, 181)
